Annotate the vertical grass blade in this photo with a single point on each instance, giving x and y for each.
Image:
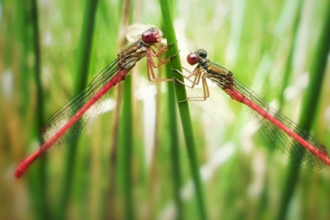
(38, 180)
(309, 107)
(183, 107)
(123, 118)
(174, 145)
(126, 142)
(288, 70)
(112, 201)
(21, 41)
(85, 47)
(264, 198)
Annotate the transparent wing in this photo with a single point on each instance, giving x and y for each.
(288, 145)
(61, 117)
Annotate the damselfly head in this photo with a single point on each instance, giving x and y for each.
(193, 58)
(151, 36)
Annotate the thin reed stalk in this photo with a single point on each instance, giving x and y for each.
(38, 179)
(309, 106)
(183, 107)
(85, 48)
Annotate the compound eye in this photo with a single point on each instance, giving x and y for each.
(150, 37)
(147, 37)
(192, 59)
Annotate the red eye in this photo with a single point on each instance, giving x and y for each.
(150, 37)
(192, 59)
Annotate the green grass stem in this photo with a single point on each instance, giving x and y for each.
(38, 179)
(85, 48)
(174, 145)
(309, 106)
(126, 135)
(115, 151)
(183, 107)
(21, 41)
(288, 70)
(126, 142)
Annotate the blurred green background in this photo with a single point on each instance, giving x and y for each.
(271, 46)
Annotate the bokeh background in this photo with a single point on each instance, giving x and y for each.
(47, 46)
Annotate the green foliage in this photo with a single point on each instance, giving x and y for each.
(163, 160)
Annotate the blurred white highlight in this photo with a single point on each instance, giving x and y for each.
(7, 81)
(294, 90)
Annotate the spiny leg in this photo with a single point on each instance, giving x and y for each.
(201, 98)
(206, 88)
(161, 61)
(160, 49)
(195, 73)
(184, 76)
(191, 73)
(151, 66)
(151, 74)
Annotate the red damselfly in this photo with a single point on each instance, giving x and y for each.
(70, 121)
(296, 143)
